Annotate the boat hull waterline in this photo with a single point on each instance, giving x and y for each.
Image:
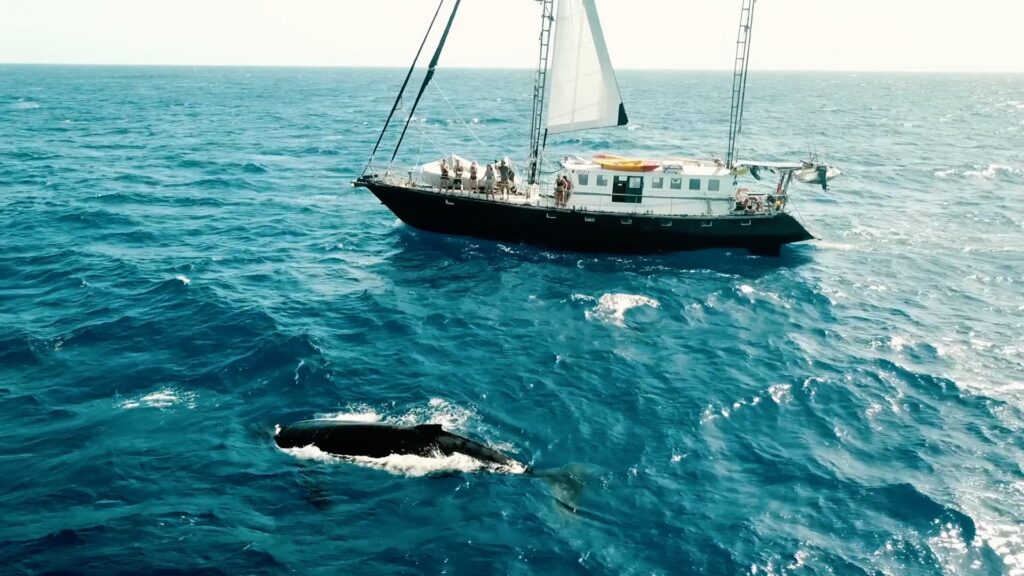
(584, 231)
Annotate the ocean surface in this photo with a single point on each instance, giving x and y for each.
(184, 266)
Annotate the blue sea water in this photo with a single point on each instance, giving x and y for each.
(183, 266)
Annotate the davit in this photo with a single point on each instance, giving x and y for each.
(376, 440)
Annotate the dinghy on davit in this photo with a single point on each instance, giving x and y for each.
(606, 203)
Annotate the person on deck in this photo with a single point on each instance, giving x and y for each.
(489, 179)
(444, 174)
(458, 174)
(559, 191)
(474, 184)
(503, 177)
(742, 200)
(567, 189)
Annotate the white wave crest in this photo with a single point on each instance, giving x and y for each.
(780, 393)
(183, 279)
(612, 308)
(161, 400)
(25, 105)
(994, 170)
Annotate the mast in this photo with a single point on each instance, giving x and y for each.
(739, 78)
(538, 135)
(426, 79)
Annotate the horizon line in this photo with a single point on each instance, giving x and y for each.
(516, 68)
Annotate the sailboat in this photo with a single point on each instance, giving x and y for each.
(605, 203)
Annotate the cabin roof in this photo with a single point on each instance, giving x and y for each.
(771, 164)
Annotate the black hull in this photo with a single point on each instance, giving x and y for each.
(583, 231)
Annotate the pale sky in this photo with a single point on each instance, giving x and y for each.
(883, 35)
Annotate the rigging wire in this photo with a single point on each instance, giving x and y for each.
(426, 80)
(434, 143)
(401, 92)
(457, 115)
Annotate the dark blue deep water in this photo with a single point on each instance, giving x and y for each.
(183, 265)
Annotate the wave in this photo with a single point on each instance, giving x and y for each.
(218, 183)
(161, 399)
(20, 351)
(991, 172)
(612, 308)
(135, 178)
(25, 105)
(99, 218)
(906, 503)
(254, 168)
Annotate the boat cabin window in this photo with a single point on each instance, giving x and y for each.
(676, 184)
(602, 180)
(694, 184)
(714, 185)
(584, 179)
(657, 182)
(636, 183)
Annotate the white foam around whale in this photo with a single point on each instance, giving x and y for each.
(408, 465)
(437, 411)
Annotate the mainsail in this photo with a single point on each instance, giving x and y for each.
(584, 93)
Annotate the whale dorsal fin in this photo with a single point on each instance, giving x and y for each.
(431, 428)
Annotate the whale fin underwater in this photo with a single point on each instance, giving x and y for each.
(379, 440)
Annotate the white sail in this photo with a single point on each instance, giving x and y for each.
(584, 93)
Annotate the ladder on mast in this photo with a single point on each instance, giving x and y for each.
(739, 78)
(537, 133)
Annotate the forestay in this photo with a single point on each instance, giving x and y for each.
(584, 93)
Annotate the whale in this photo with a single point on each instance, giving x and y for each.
(380, 440)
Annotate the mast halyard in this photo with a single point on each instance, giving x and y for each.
(538, 135)
(739, 78)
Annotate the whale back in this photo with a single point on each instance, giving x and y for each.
(377, 440)
(357, 438)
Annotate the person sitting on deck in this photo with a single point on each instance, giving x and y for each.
(741, 200)
(489, 179)
(458, 174)
(503, 177)
(444, 174)
(474, 184)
